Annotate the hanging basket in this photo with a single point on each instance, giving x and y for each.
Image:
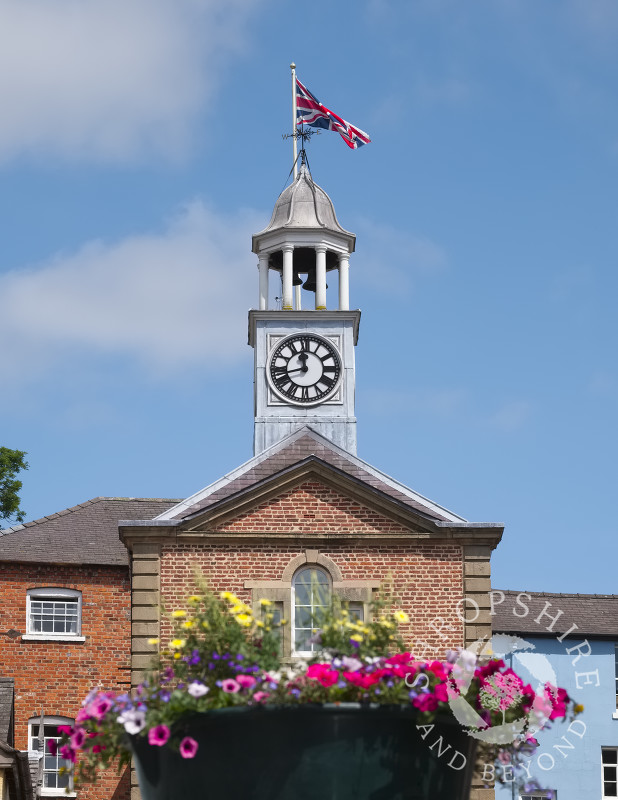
(310, 752)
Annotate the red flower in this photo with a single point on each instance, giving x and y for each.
(323, 674)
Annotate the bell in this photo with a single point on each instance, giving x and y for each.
(309, 284)
(296, 279)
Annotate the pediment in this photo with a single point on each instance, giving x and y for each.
(313, 498)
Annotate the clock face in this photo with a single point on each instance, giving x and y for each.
(304, 369)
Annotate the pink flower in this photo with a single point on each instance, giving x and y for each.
(259, 696)
(98, 748)
(363, 680)
(99, 707)
(230, 685)
(82, 716)
(52, 746)
(324, 674)
(67, 752)
(78, 738)
(188, 747)
(246, 681)
(69, 730)
(159, 735)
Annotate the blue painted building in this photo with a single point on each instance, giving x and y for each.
(571, 641)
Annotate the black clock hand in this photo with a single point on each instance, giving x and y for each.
(302, 356)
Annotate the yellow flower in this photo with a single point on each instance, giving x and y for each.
(240, 608)
(205, 624)
(578, 708)
(259, 624)
(283, 622)
(179, 613)
(231, 598)
(153, 641)
(176, 655)
(356, 637)
(265, 602)
(177, 644)
(188, 623)
(244, 619)
(194, 598)
(401, 616)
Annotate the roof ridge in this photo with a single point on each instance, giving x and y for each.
(79, 506)
(555, 594)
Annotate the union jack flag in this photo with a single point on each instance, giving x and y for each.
(310, 111)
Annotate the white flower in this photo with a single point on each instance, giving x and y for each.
(197, 689)
(133, 720)
(352, 664)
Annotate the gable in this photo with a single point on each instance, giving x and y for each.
(310, 508)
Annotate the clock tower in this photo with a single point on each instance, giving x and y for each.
(304, 357)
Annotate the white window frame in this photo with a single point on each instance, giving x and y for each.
(47, 593)
(305, 653)
(33, 733)
(540, 794)
(603, 765)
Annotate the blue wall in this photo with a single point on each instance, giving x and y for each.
(575, 774)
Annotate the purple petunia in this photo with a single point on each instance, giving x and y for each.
(188, 747)
(159, 735)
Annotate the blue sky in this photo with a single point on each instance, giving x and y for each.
(140, 146)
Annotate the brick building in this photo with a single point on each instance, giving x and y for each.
(66, 607)
(304, 508)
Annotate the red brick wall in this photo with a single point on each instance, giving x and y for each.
(56, 676)
(427, 578)
(312, 508)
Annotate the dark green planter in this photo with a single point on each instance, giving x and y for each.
(307, 752)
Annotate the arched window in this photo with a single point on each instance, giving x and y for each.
(311, 595)
(52, 781)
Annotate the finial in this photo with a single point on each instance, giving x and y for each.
(292, 65)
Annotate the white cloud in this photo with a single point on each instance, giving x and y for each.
(167, 301)
(111, 80)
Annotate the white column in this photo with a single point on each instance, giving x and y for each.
(288, 260)
(297, 297)
(344, 282)
(320, 278)
(263, 268)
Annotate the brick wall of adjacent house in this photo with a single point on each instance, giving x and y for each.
(56, 676)
(427, 578)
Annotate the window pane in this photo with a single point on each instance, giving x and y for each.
(304, 618)
(311, 597)
(357, 611)
(303, 594)
(54, 616)
(610, 756)
(301, 642)
(609, 773)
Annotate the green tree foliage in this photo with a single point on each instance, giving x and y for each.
(11, 462)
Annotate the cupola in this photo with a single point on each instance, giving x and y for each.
(304, 238)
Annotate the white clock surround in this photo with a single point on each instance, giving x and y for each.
(275, 418)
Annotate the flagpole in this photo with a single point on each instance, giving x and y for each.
(294, 145)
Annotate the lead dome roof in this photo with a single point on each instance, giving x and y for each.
(304, 205)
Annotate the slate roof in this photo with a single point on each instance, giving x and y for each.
(84, 534)
(303, 444)
(596, 615)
